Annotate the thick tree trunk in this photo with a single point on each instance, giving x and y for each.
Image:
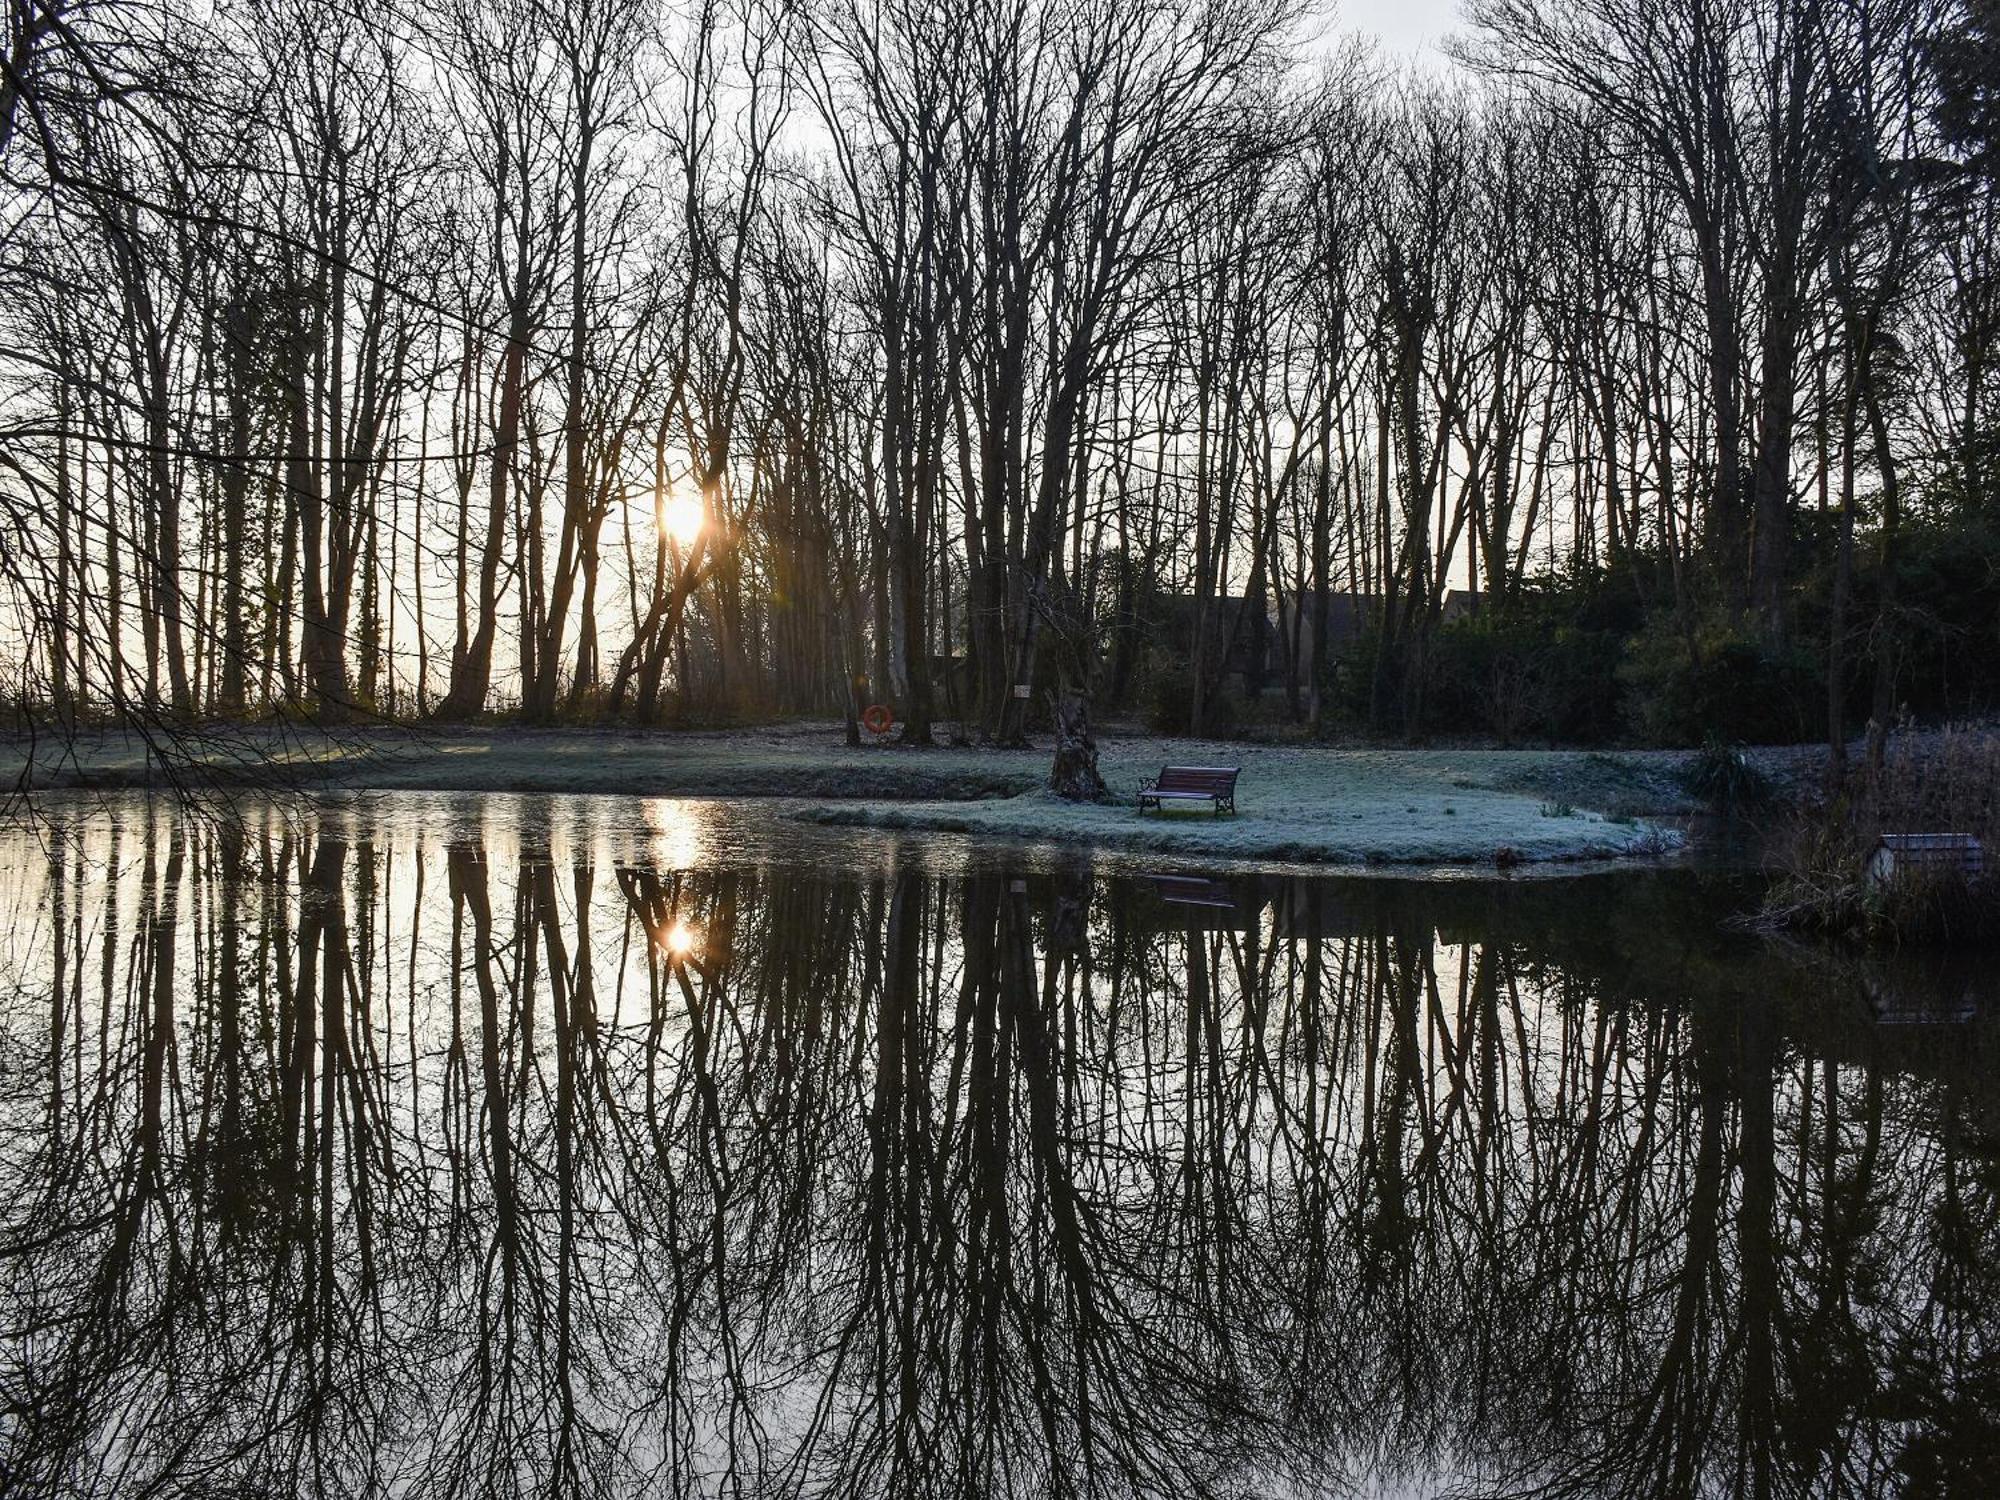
(1074, 775)
(540, 693)
(319, 653)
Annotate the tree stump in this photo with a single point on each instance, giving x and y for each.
(1074, 776)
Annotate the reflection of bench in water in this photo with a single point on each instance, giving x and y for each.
(1207, 903)
(1192, 890)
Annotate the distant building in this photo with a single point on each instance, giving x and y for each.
(1248, 634)
(1256, 641)
(1350, 618)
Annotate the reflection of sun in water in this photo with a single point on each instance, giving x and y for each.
(680, 939)
(677, 830)
(682, 517)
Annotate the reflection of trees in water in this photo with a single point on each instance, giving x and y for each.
(344, 1159)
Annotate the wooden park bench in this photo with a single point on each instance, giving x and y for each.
(1215, 784)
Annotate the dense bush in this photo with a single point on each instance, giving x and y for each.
(1719, 681)
(1169, 700)
(1636, 652)
(1948, 597)
(1521, 674)
(1596, 656)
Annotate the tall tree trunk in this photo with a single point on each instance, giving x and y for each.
(472, 673)
(1882, 707)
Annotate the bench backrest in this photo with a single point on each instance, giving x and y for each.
(1202, 779)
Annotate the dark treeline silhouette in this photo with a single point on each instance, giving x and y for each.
(609, 358)
(384, 1155)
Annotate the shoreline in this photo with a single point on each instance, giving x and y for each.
(1303, 804)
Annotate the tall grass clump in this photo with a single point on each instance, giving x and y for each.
(1722, 775)
(1948, 783)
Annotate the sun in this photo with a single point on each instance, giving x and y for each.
(682, 518)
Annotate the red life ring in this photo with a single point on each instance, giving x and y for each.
(877, 718)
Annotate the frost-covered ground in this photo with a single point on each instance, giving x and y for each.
(1314, 805)
(1305, 803)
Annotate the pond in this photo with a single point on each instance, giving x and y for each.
(438, 1146)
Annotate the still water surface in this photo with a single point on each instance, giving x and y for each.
(596, 1146)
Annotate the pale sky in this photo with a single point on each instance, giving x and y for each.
(1406, 27)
